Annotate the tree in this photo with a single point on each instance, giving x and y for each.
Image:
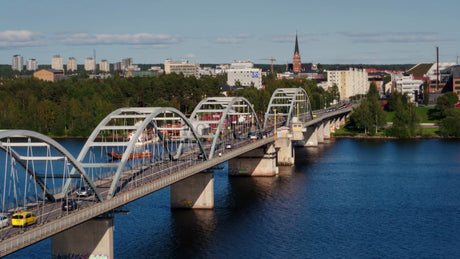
(369, 114)
(405, 121)
(450, 125)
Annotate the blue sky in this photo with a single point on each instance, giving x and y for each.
(150, 31)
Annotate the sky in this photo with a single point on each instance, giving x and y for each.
(220, 32)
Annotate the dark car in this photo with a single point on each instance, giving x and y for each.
(200, 156)
(69, 205)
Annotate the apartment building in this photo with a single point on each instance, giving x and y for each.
(90, 64)
(104, 66)
(351, 82)
(71, 64)
(32, 64)
(56, 63)
(17, 63)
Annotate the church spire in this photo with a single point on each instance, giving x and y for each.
(296, 63)
(296, 49)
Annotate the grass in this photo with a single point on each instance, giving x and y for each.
(423, 112)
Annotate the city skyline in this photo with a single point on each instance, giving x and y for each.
(330, 32)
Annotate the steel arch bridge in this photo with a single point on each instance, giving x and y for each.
(30, 160)
(221, 119)
(131, 139)
(285, 105)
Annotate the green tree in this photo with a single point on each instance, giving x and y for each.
(450, 125)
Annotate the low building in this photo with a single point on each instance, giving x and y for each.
(406, 84)
(244, 74)
(182, 67)
(49, 74)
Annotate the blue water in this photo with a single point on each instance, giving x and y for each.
(345, 199)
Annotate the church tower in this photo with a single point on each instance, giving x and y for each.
(296, 63)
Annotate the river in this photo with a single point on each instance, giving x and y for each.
(347, 198)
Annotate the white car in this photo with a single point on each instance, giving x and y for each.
(3, 221)
(84, 191)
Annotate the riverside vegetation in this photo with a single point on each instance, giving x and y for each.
(369, 118)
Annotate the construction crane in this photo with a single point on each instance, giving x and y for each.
(271, 60)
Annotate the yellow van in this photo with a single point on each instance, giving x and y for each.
(23, 219)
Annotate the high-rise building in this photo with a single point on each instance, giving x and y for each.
(56, 63)
(71, 64)
(126, 63)
(117, 66)
(104, 66)
(90, 64)
(350, 82)
(182, 67)
(17, 63)
(296, 63)
(32, 64)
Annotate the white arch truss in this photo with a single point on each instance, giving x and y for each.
(288, 103)
(132, 138)
(218, 117)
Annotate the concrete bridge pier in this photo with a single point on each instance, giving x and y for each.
(286, 151)
(320, 132)
(257, 162)
(311, 136)
(91, 239)
(194, 192)
(327, 129)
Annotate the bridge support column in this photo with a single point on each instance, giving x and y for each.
(320, 132)
(194, 192)
(327, 129)
(257, 162)
(93, 238)
(311, 136)
(286, 151)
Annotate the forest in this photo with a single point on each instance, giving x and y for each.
(74, 107)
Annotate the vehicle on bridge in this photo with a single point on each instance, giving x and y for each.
(84, 191)
(4, 221)
(23, 219)
(69, 205)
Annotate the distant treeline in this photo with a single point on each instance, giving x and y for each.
(6, 71)
(74, 107)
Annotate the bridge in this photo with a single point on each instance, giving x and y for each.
(136, 151)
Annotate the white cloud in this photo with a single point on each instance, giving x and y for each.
(82, 38)
(392, 37)
(21, 38)
(233, 40)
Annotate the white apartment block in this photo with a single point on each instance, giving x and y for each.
(406, 84)
(245, 74)
(90, 64)
(71, 64)
(56, 63)
(104, 66)
(350, 82)
(17, 63)
(32, 64)
(182, 67)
